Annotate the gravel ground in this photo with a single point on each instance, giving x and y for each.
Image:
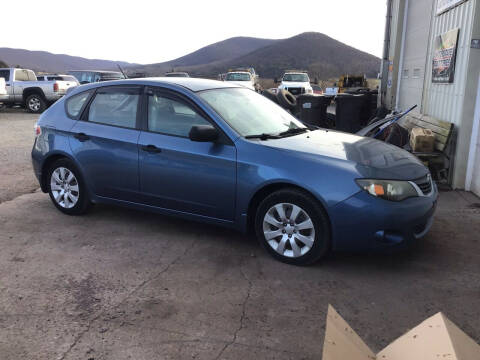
(120, 284)
(16, 141)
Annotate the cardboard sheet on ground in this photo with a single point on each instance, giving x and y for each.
(434, 339)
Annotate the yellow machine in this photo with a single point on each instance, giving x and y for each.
(352, 83)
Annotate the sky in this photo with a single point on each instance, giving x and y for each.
(152, 31)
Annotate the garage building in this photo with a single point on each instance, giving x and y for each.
(432, 59)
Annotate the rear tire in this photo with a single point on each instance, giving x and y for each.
(66, 188)
(35, 103)
(298, 232)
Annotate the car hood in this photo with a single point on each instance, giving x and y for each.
(372, 158)
(294, 84)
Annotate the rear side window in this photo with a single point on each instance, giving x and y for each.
(40, 78)
(31, 75)
(116, 107)
(75, 104)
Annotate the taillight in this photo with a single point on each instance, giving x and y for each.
(37, 130)
(55, 87)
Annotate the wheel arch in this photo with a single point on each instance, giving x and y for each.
(32, 91)
(268, 189)
(46, 165)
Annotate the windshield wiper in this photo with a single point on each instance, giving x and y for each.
(263, 136)
(292, 131)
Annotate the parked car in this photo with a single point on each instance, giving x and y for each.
(296, 82)
(92, 76)
(217, 152)
(24, 89)
(177, 74)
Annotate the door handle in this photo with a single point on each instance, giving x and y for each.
(151, 149)
(81, 137)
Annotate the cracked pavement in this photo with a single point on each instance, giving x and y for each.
(122, 284)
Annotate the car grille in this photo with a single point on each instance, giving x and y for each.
(296, 90)
(425, 184)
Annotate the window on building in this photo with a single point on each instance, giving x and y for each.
(405, 73)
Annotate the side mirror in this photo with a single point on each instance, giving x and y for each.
(203, 133)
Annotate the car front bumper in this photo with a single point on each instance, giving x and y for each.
(364, 222)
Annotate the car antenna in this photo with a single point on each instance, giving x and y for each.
(121, 70)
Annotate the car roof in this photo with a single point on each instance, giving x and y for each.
(192, 84)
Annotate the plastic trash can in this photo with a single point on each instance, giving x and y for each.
(312, 109)
(348, 108)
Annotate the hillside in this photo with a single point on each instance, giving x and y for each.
(219, 52)
(321, 55)
(45, 61)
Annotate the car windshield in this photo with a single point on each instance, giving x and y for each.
(296, 77)
(238, 77)
(249, 113)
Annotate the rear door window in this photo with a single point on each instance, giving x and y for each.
(115, 107)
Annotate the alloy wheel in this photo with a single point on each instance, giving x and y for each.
(64, 187)
(289, 230)
(34, 104)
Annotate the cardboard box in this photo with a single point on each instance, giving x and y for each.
(437, 338)
(422, 140)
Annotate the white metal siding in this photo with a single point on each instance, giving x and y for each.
(475, 185)
(419, 15)
(445, 101)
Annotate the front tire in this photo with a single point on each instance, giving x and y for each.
(35, 103)
(293, 227)
(66, 188)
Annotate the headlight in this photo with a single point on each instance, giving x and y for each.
(309, 91)
(388, 189)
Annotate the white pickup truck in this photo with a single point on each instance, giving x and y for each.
(24, 89)
(296, 82)
(245, 77)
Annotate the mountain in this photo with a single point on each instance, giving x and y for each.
(45, 61)
(223, 50)
(321, 55)
(215, 53)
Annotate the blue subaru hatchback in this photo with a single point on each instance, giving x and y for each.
(219, 153)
